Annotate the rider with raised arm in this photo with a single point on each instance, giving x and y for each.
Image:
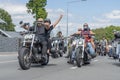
(49, 28)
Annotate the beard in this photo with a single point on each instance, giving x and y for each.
(40, 24)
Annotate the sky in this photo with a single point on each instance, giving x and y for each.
(97, 13)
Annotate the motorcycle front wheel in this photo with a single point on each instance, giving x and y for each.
(24, 59)
(79, 59)
(46, 61)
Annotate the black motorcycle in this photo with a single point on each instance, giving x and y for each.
(116, 50)
(30, 51)
(103, 50)
(57, 49)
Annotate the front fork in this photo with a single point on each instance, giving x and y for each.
(31, 47)
(74, 53)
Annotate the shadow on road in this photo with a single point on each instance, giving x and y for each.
(111, 58)
(117, 64)
(52, 65)
(40, 66)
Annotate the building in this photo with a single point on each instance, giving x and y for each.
(10, 34)
(9, 41)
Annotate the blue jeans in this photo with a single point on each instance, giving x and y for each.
(110, 51)
(91, 49)
(73, 54)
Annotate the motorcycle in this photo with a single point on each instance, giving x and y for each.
(30, 51)
(103, 50)
(57, 49)
(114, 47)
(98, 49)
(110, 53)
(117, 51)
(78, 53)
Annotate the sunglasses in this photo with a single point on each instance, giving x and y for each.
(85, 25)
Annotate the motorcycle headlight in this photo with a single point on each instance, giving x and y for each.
(80, 43)
(56, 41)
(74, 43)
(28, 36)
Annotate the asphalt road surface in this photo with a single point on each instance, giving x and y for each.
(101, 68)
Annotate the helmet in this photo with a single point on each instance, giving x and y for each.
(85, 24)
(59, 32)
(21, 22)
(85, 27)
(47, 20)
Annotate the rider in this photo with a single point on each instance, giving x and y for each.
(40, 33)
(116, 40)
(87, 34)
(104, 43)
(61, 44)
(49, 28)
(59, 34)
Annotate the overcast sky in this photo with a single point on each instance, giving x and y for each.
(97, 13)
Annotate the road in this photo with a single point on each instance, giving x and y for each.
(101, 68)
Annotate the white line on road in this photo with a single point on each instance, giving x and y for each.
(8, 54)
(8, 61)
(5, 55)
(75, 67)
(95, 60)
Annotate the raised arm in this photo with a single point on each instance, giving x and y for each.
(77, 33)
(57, 21)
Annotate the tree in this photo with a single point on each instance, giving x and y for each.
(107, 32)
(37, 8)
(4, 15)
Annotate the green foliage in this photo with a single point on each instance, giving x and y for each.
(107, 32)
(4, 15)
(37, 8)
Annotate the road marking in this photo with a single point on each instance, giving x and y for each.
(8, 61)
(95, 60)
(74, 67)
(4, 55)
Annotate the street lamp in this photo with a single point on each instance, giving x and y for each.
(70, 2)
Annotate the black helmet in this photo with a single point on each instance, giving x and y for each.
(85, 24)
(21, 22)
(59, 32)
(47, 20)
(85, 27)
